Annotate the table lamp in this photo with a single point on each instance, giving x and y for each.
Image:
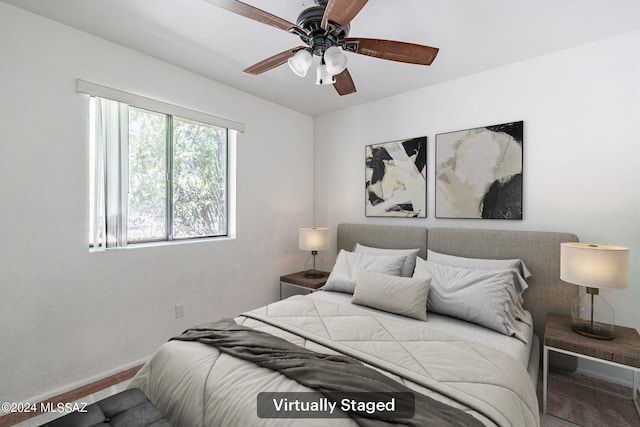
(594, 266)
(313, 239)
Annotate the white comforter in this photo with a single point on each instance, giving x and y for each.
(194, 385)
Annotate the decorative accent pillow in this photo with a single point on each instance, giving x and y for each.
(348, 264)
(521, 270)
(478, 296)
(400, 295)
(409, 263)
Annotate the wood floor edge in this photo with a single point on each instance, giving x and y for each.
(70, 396)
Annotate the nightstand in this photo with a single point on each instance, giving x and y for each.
(623, 351)
(298, 284)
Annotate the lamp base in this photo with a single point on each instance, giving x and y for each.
(313, 266)
(313, 274)
(593, 316)
(596, 331)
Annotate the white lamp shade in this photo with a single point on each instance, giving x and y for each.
(323, 77)
(300, 62)
(335, 60)
(594, 266)
(313, 239)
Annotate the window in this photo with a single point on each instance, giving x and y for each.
(155, 176)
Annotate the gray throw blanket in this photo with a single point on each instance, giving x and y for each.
(323, 372)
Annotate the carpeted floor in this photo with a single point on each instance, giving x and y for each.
(571, 400)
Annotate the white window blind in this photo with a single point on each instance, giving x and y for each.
(94, 89)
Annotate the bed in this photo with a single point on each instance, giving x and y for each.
(473, 373)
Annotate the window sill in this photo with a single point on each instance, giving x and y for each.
(165, 243)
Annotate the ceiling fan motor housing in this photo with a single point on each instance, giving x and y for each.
(317, 38)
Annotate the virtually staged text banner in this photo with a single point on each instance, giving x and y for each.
(383, 405)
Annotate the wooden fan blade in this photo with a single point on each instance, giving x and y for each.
(341, 12)
(392, 50)
(344, 83)
(272, 61)
(254, 13)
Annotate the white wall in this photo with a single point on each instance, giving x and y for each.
(581, 110)
(67, 315)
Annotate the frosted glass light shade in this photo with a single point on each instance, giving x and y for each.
(335, 60)
(300, 62)
(323, 77)
(313, 239)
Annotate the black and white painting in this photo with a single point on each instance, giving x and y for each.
(479, 172)
(396, 178)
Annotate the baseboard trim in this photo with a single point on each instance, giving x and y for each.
(608, 378)
(71, 395)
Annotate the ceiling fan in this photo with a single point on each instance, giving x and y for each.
(324, 29)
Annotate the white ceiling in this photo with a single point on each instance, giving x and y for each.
(473, 35)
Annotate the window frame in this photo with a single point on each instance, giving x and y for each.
(171, 113)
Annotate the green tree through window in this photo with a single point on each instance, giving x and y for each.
(199, 179)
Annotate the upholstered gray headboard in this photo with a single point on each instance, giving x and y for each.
(382, 236)
(540, 251)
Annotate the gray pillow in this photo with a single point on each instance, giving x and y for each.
(409, 263)
(479, 263)
(478, 296)
(344, 274)
(521, 270)
(400, 295)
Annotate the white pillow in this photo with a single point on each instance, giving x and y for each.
(400, 295)
(478, 296)
(348, 264)
(409, 263)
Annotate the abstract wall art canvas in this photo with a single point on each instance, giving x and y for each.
(396, 178)
(479, 172)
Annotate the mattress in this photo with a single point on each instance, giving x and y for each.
(195, 385)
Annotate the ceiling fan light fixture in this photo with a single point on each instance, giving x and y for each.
(324, 30)
(300, 62)
(323, 77)
(335, 60)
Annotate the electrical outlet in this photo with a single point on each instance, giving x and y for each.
(179, 311)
